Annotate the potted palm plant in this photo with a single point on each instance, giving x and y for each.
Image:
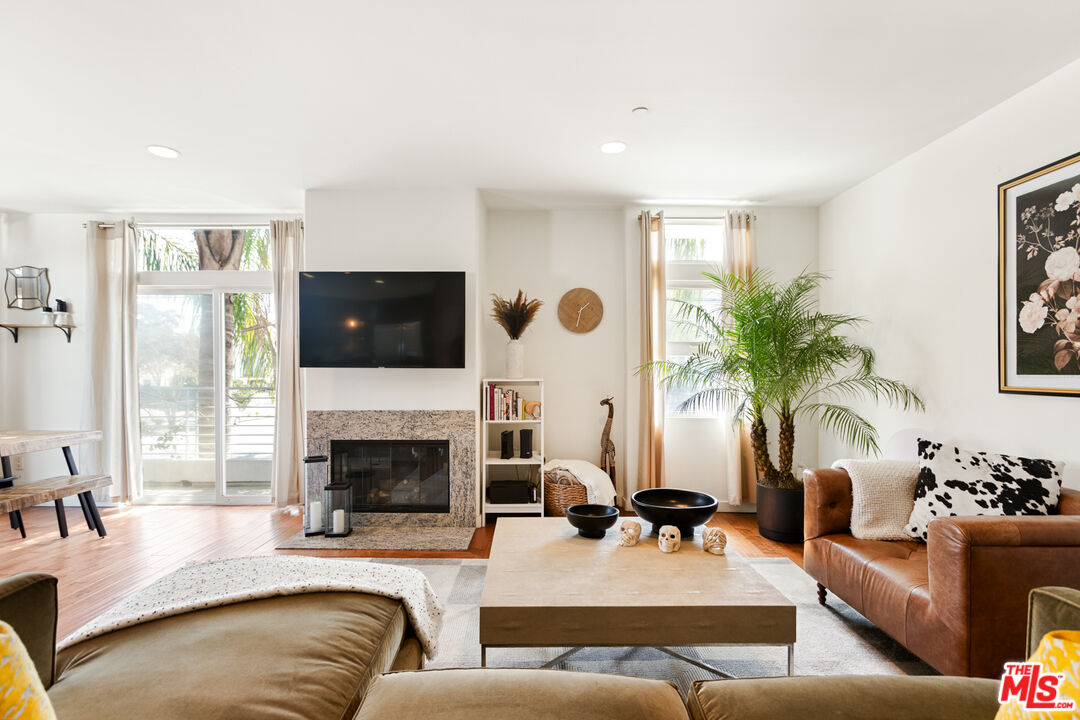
(766, 350)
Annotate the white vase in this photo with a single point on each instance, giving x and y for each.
(515, 359)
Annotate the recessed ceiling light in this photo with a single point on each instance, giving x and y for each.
(613, 147)
(163, 151)
(640, 109)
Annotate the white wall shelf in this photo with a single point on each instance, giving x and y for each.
(495, 467)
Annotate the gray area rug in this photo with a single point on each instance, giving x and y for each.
(832, 640)
(386, 538)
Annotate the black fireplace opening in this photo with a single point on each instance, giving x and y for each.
(394, 476)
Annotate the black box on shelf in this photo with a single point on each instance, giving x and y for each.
(509, 491)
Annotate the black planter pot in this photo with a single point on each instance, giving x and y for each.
(780, 514)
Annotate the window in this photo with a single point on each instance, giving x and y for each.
(205, 340)
(692, 247)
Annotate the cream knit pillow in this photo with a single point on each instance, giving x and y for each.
(883, 495)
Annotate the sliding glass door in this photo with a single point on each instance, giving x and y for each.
(205, 342)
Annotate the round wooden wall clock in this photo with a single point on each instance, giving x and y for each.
(580, 310)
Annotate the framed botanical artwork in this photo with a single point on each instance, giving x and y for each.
(1039, 281)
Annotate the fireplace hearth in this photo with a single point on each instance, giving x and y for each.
(417, 505)
(395, 476)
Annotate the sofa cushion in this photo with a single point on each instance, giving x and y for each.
(300, 657)
(882, 496)
(955, 482)
(22, 695)
(1049, 609)
(520, 695)
(861, 697)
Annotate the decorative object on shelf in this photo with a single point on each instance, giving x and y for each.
(515, 316)
(506, 443)
(670, 539)
(27, 287)
(629, 533)
(526, 443)
(580, 310)
(765, 348)
(316, 471)
(592, 521)
(1039, 281)
(686, 509)
(533, 409)
(62, 316)
(509, 491)
(607, 447)
(337, 500)
(714, 540)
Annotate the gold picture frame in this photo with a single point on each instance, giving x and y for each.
(1039, 281)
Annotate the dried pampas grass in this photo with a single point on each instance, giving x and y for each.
(515, 315)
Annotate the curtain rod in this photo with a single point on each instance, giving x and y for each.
(208, 226)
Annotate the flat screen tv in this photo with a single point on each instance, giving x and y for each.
(382, 319)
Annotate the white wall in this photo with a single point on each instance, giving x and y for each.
(787, 244)
(45, 381)
(396, 230)
(914, 248)
(545, 253)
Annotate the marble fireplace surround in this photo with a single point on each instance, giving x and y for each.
(457, 426)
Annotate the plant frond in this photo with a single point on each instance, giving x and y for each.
(514, 316)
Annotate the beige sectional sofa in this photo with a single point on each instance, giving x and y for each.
(342, 655)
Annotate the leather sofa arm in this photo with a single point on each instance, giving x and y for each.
(981, 570)
(827, 495)
(28, 605)
(1069, 502)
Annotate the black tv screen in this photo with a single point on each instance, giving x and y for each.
(382, 319)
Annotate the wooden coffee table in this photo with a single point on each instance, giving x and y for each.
(548, 587)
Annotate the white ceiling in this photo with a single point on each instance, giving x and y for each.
(777, 101)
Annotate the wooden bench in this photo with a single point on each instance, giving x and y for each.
(16, 497)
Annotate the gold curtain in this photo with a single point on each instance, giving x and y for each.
(653, 340)
(739, 259)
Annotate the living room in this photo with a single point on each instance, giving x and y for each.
(710, 360)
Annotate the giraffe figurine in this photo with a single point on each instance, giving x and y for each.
(607, 447)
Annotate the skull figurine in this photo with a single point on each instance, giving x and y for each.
(714, 540)
(670, 539)
(629, 533)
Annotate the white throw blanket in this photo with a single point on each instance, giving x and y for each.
(598, 487)
(882, 494)
(225, 582)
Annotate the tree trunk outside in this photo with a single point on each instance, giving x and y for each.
(219, 249)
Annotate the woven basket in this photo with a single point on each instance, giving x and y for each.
(561, 490)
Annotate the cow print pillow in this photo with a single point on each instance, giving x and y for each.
(960, 482)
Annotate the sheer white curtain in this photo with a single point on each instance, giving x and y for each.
(739, 258)
(653, 346)
(113, 405)
(287, 242)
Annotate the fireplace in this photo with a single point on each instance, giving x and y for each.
(394, 476)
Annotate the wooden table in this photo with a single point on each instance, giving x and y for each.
(19, 442)
(548, 587)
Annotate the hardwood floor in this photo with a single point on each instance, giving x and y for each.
(147, 541)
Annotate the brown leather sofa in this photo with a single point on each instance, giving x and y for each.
(957, 601)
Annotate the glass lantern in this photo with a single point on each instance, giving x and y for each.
(337, 504)
(315, 472)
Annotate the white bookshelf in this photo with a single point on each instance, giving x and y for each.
(514, 468)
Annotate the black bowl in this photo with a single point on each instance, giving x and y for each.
(685, 509)
(592, 521)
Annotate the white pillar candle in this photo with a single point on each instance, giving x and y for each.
(315, 518)
(339, 521)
